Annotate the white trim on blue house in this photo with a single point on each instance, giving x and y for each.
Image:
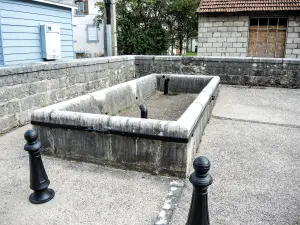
(74, 54)
(20, 28)
(2, 59)
(55, 3)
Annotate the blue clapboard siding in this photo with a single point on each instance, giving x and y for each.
(1, 52)
(20, 25)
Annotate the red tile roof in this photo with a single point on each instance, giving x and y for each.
(207, 6)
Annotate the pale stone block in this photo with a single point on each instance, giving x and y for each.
(230, 50)
(201, 50)
(229, 24)
(293, 35)
(239, 23)
(207, 45)
(232, 29)
(233, 39)
(211, 49)
(212, 29)
(242, 50)
(217, 45)
(237, 45)
(222, 29)
(217, 34)
(221, 39)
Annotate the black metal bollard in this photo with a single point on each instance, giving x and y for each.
(166, 86)
(198, 214)
(39, 181)
(144, 111)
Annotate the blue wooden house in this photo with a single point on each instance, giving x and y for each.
(21, 41)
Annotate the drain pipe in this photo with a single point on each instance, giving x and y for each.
(166, 86)
(144, 111)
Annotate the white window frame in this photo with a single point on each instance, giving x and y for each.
(87, 34)
(80, 9)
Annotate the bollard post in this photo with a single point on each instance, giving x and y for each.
(39, 181)
(166, 86)
(198, 214)
(144, 111)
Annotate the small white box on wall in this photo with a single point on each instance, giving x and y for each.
(50, 40)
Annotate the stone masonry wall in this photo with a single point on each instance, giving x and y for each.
(25, 88)
(274, 72)
(293, 38)
(223, 35)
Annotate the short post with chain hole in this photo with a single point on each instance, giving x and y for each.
(39, 181)
(198, 214)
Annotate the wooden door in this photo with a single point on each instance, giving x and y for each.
(267, 37)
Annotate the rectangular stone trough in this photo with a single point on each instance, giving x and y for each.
(88, 128)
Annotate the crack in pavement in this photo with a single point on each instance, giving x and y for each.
(255, 121)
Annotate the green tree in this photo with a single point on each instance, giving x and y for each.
(182, 20)
(98, 20)
(152, 26)
(140, 27)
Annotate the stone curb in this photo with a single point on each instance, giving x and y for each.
(166, 213)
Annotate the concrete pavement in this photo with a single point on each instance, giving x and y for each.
(252, 142)
(277, 106)
(85, 193)
(253, 145)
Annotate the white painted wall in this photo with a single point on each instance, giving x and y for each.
(193, 45)
(80, 35)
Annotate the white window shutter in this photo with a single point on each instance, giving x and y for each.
(92, 34)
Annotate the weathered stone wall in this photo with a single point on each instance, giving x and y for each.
(154, 145)
(25, 88)
(292, 49)
(223, 35)
(232, 70)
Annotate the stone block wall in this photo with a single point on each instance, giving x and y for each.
(25, 88)
(292, 49)
(223, 35)
(228, 36)
(274, 72)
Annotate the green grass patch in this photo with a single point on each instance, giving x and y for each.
(190, 54)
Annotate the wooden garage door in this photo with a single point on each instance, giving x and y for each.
(267, 37)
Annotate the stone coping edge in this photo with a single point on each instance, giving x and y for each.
(44, 66)
(178, 131)
(220, 59)
(193, 113)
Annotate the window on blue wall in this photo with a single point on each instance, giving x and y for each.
(92, 34)
(83, 8)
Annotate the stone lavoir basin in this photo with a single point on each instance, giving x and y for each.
(105, 127)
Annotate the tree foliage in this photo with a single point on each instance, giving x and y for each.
(98, 20)
(182, 20)
(152, 26)
(140, 27)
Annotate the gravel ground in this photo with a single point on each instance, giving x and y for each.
(163, 107)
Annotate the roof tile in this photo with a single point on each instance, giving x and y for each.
(207, 6)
